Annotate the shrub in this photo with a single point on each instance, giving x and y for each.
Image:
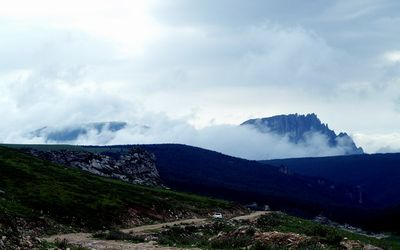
(231, 242)
(118, 235)
(270, 221)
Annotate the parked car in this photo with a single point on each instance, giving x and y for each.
(217, 216)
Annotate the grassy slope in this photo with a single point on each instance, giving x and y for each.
(69, 195)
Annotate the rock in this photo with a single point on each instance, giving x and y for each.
(299, 127)
(370, 247)
(137, 166)
(289, 240)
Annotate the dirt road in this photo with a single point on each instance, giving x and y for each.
(251, 216)
(161, 225)
(85, 239)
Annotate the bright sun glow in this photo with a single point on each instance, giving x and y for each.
(126, 24)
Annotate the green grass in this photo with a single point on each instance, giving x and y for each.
(73, 196)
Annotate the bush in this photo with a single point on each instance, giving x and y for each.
(118, 235)
(270, 221)
(222, 225)
(64, 244)
(182, 236)
(231, 242)
(318, 230)
(263, 246)
(333, 238)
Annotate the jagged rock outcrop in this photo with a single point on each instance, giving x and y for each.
(299, 127)
(137, 166)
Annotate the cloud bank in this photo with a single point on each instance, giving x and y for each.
(205, 63)
(239, 141)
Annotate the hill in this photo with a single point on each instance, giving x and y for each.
(211, 173)
(205, 172)
(41, 196)
(377, 175)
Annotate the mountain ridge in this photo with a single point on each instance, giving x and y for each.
(299, 128)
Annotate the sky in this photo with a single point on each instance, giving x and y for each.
(193, 70)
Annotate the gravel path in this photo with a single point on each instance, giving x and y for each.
(86, 240)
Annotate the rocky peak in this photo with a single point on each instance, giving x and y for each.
(297, 127)
(137, 166)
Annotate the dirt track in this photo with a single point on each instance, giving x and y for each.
(85, 239)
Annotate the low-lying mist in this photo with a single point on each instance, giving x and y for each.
(239, 141)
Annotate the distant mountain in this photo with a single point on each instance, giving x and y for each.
(298, 128)
(73, 132)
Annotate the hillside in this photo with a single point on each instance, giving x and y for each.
(205, 172)
(366, 171)
(376, 175)
(211, 173)
(41, 196)
(136, 166)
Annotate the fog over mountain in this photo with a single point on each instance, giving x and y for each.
(202, 63)
(300, 128)
(235, 140)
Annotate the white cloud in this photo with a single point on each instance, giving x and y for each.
(379, 142)
(205, 62)
(393, 56)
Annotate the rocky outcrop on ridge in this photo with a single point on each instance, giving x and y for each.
(298, 127)
(137, 166)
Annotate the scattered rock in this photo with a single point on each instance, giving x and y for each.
(370, 247)
(289, 240)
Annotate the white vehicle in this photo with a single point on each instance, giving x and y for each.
(217, 216)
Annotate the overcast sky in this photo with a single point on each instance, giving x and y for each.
(204, 62)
